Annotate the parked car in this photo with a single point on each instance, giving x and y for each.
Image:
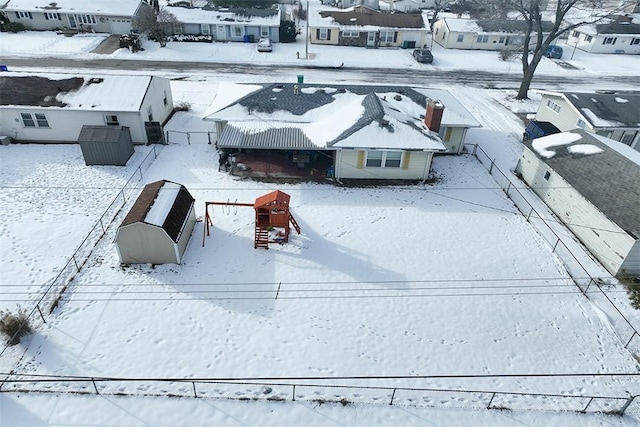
(264, 45)
(553, 51)
(423, 56)
(536, 129)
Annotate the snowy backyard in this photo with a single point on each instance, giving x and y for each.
(446, 282)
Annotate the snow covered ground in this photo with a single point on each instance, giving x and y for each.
(437, 280)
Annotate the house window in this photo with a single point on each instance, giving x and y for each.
(635, 41)
(588, 38)
(460, 38)
(547, 175)
(628, 137)
(51, 15)
(383, 159)
(85, 19)
(324, 34)
(24, 15)
(32, 120)
(264, 32)
(164, 98)
(111, 120)
(581, 124)
(205, 30)
(501, 39)
(237, 31)
(387, 36)
(350, 33)
(553, 106)
(482, 38)
(609, 40)
(150, 113)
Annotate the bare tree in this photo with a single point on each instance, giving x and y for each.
(156, 23)
(536, 41)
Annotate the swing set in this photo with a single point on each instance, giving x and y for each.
(273, 218)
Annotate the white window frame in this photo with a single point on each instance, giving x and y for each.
(52, 16)
(372, 159)
(237, 31)
(111, 120)
(553, 106)
(24, 15)
(350, 34)
(205, 29)
(610, 40)
(34, 120)
(581, 124)
(324, 34)
(460, 38)
(628, 137)
(482, 38)
(264, 32)
(588, 38)
(387, 36)
(635, 41)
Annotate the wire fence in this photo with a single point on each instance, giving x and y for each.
(324, 393)
(49, 298)
(593, 288)
(196, 137)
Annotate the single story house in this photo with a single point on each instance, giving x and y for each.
(369, 132)
(617, 37)
(345, 4)
(482, 34)
(112, 16)
(362, 26)
(236, 24)
(591, 183)
(610, 114)
(158, 226)
(53, 108)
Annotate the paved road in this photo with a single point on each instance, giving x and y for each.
(236, 72)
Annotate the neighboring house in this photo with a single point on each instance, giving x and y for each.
(112, 16)
(158, 226)
(613, 115)
(244, 25)
(345, 4)
(366, 27)
(54, 108)
(618, 37)
(370, 132)
(409, 5)
(460, 33)
(592, 184)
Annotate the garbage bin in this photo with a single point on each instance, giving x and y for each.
(245, 38)
(251, 38)
(300, 79)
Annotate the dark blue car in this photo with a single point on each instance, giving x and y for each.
(553, 51)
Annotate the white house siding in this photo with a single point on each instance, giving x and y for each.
(564, 120)
(65, 124)
(155, 99)
(347, 167)
(103, 24)
(605, 240)
(596, 44)
(140, 243)
(453, 138)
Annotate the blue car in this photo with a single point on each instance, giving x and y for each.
(554, 52)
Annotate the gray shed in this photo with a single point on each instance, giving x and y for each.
(105, 145)
(157, 228)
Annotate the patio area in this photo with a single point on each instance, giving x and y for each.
(276, 164)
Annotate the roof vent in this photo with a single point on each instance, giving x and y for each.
(95, 80)
(341, 90)
(397, 98)
(353, 19)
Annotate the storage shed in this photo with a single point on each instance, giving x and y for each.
(105, 145)
(157, 228)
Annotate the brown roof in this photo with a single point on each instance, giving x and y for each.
(362, 16)
(35, 91)
(176, 216)
(277, 196)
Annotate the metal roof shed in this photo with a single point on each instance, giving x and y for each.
(105, 145)
(158, 227)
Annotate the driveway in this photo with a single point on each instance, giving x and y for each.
(108, 45)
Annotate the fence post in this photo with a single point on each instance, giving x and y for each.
(626, 405)
(195, 394)
(188, 138)
(123, 198)
(102, 226)
(491, 400)
(167, 138)
(554, 246)
(630, 339)
(73, 257)
(94, 385)
(491, 167)
(209, 137)
(294, 393)
(155, 155)
(140, 170)
(41, 315)
(508, 188)
(278, 291)
(530, 212)
(392, 396)
(588, 403)
(588, 286)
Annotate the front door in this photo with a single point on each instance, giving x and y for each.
(371, 38)
(221, 32)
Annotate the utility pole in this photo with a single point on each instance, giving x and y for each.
(306, 45)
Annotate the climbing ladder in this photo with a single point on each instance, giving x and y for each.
(261, 239)
(293, 222)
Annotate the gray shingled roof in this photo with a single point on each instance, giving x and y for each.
(618, 28)
(609, 180)
(259, 13)
(622, 109)
(362, 16)
(509, 26)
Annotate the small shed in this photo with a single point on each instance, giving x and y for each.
(158, 227)
(105, 145)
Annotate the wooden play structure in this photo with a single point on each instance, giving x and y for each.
(273, 218)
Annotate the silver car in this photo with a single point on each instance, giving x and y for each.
(264, 45)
